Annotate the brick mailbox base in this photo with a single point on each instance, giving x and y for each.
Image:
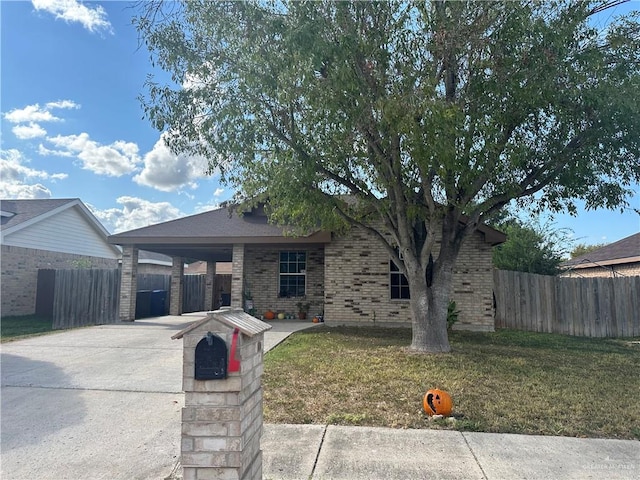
(222, 419)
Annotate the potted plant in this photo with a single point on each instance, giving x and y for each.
(303, 308)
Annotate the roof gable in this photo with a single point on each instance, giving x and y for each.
(19, 216)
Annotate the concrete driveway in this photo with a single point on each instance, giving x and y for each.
(99, 402)
(93, 403)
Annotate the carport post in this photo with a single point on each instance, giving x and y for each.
(237, 276)
(177, 282)
(128, 283)
(209, 294)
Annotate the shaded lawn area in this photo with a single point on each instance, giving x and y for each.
(14, 328)
(507, 381)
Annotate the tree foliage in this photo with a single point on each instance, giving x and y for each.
(582, 249)
(433, 115)
(531, 247)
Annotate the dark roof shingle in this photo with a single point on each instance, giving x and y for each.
(25, 210)
(628, 247)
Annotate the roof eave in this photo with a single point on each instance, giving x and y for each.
(601, 263)
(318, 237)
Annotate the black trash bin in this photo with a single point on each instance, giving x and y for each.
(158, 303)
(143, 303)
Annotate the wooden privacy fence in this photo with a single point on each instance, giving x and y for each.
(193, 292)
(589, 307)
(78, 297)
(85, 297)
(193, 289)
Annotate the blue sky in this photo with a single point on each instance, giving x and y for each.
(72, 125)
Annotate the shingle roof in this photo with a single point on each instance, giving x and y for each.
(215, 226)
(25, 210)
(626, 249)
(211, 235)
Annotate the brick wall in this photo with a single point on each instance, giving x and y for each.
(357, 284)
(20, 274)
(261, 270)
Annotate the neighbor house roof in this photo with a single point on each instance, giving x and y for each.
(626, 250)
(19, 214)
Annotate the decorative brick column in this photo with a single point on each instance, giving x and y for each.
(177, 283)
(209, 294)
(128, 283)
(222, 419)
(237, 277)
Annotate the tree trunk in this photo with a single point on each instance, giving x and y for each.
(429, 303)
(429, 325)
(429, 312)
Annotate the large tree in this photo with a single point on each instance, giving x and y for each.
(429, 116)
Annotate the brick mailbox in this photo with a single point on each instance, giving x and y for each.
(221, 379)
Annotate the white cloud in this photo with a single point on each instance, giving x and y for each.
(26, 132)
(28, 119)
(19, 180)
(93, 19)
(135, 213)
(114, 160)
(30, 113)
(218, 192)
(66, 104)
(44, 151)
(165, 171)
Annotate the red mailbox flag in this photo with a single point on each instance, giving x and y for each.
(234, 363)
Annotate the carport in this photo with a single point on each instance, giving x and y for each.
(215, 236)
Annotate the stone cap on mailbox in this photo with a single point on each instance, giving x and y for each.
(233, 318)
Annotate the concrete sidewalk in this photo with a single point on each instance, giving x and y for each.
(318, 452)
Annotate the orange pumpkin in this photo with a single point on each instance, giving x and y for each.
(437, 402)
(269, 315)
(316, 320)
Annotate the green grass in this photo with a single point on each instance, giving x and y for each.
(14, 328)
(508, 381)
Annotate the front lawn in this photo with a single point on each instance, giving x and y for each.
(14, 328)
(508, 381)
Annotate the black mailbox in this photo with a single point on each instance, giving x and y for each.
(211, 358)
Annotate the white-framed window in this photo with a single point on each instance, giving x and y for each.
(293, 273)
(398, 284)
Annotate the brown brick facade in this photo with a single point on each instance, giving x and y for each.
(261, 266)
(20, 274)
(348, 281)
(357, 284)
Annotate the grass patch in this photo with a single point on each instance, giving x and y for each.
(507, 381)
(14, 328)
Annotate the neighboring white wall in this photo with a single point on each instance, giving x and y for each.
(66, 232)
